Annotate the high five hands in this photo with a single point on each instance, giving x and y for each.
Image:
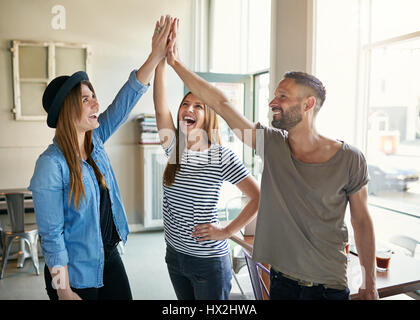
(166, 28)
(160, 43)
(160, 36)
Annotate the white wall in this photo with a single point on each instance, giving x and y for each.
(119, 33)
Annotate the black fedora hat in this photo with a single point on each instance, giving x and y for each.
(56, 92)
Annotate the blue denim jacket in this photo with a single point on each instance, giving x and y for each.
(71, 237)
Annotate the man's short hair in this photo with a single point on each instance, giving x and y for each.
(311, 82)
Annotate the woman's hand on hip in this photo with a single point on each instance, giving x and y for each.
(172, 48)
(210, 231)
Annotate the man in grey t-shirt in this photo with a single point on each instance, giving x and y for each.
(307, 181)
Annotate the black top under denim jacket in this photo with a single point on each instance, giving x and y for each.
(110, 237)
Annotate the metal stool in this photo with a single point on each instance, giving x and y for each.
(238, 262)
(18, 229)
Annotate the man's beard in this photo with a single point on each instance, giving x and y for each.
(288, 119)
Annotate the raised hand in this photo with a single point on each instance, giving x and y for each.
(172, 48)
(159, 48)
(160, 37)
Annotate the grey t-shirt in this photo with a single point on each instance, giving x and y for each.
(300, 228)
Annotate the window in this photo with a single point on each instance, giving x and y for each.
(249, 94)
(238, 57)
(35, 64)
(336, 65)
(261, 97)
(392, 18)
(238, 89)
(239, 36)
(370, 65)
(393, 145)
(261, 114)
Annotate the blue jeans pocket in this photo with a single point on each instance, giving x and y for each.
(282, 288)
(211, 278)
(199, 278)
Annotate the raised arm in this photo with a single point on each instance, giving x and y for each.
(128, 96)
(209, 94)
(164, 121)
(159, 47)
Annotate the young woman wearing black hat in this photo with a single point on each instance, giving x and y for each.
(78, 206)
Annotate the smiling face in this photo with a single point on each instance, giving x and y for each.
(286, 105)
(88, 119)
(191, 114)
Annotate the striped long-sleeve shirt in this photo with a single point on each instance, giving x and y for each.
(192, 198)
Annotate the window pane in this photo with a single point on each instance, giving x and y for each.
(392, 95)
(33, 62)
(240, 36)
(259, 35)
(336, 65)
(225, 37)
(391, 18)
(69, 60)
(394, 126)
(235, 94)
(262, 94)
(31, 98)
(262, 113)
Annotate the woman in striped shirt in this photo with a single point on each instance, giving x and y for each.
(198, 254)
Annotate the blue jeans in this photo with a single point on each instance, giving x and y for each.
(282, 288)
(195, 278)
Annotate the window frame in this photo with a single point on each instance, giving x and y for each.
(248, 81)
(250, 107)
(51, 46)
(363, 87)
(245, 42)
(249, 159)
(365, 69)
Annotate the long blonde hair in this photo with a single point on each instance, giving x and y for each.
(211, 126)
(66, 136)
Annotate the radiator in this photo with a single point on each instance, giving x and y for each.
(154, 163)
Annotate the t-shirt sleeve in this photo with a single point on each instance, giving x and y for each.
(233, 170)
(359, 175)
(267, 137)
